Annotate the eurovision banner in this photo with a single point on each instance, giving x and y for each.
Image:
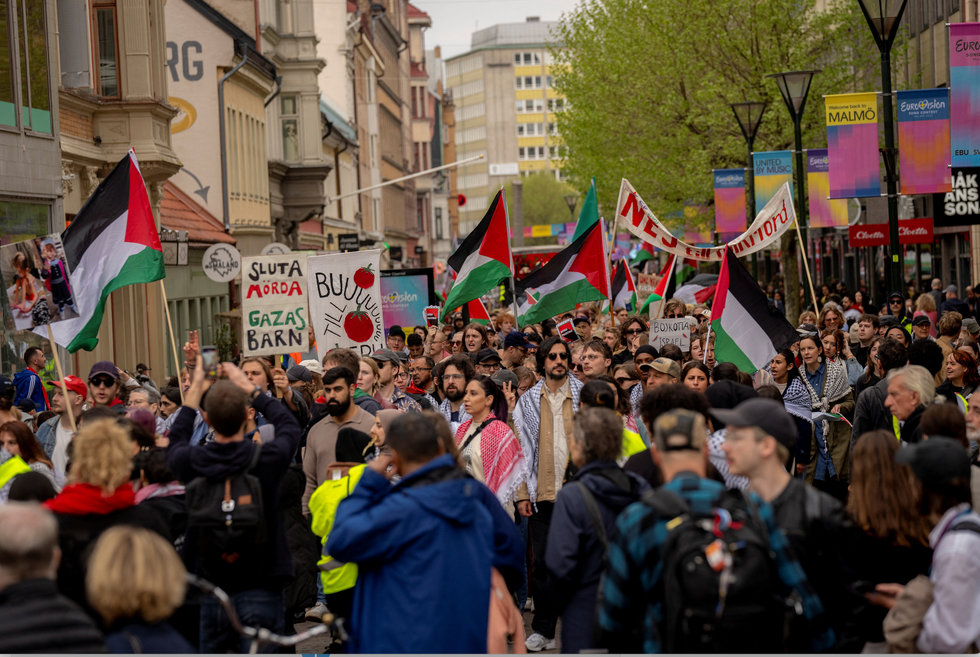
(274, 308)
(964, 93)
(771, 171)
(770, 224)
(345, 302)
(824, 212)
(729, 203)
(852, 145)
(923, 141)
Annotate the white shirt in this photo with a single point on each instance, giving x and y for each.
(59, 457)
(560, 443)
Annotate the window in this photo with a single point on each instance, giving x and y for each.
(552, 129)
(556, 104)
(552, 152)
(527, 59)
(520, 153)
(517, 59)
(438, 212)
(371, 83)
(540, 152)
(376, 213)
(537, 81)
(290, 128)
(548, 82)
(373, 147)
(419, 212)
(31, 81)
(107, 56)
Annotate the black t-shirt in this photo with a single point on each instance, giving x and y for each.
(642, 464)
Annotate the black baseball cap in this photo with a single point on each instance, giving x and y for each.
(5, 385)
(937, 462)
(487, 354)
(921, 320)
(888, 320)
(396, 331)
(581, 319)
(767, 414)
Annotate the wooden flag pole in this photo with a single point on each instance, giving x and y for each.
(612, 244)
(61, 376)
(173, 340)
(806, 265)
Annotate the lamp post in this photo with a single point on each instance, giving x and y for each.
(749, 117)
(884, 18)
(570, 201)
(794, 86)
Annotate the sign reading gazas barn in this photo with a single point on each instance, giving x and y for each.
(910, 231)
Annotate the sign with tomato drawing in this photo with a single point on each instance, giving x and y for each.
(275, 312)
(345, 301)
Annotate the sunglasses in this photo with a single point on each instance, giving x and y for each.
(102, 382)
(634, 331)
(456, 342)
(896, 302)
(623, 379)
(674, 316)
(563, 355)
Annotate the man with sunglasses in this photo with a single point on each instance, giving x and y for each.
(896, 307)
(543, 418)
(104, 386)
(389, 367)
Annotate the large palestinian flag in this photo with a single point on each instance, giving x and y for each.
(483, 260)
(576, 274)
(112, 243)
(748, 331)
(623, 288)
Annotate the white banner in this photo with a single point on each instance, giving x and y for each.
(671, 331)
(772, 222)
(345, 302)
(274, 310)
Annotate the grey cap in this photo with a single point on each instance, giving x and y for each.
(505, 376)
(951, 289)
(299, 373)
(383, 355)
(971, 326)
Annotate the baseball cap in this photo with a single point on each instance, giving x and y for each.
(703, 312)
(680, 429)
(505, 376)
(971, 326)
(5, 385)
(664, 366)
(767, 414)
(313, 366)
(385, 355)
(487, 354)
(581, 319)
(937, 462)
(26, 405)
(299, 373)
(898, 295)
(951, 289)
(74, 384)
(516, 339)
(104, 367)
(807, 329)
(922, 320)
(396, 331)
(888, 320)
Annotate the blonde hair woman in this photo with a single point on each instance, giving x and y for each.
(135, 582)
(98, 496)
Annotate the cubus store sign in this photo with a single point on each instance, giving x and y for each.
(960, 207)
(910, 231)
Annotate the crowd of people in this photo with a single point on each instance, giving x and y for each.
(628, 494)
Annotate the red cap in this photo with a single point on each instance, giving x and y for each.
(74, 384)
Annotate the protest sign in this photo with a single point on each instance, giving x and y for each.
(345, 302)
(432, 316)
(566, 330)
(222, 263)
(274, 308)
(671, 331)
(646, 284)
(36, 277)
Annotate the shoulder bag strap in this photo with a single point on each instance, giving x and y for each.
(595, 516)
(476, 433)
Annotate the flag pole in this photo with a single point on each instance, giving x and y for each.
(612, 243)
(61, 377)
(510, 252)
(173, 340)
(806, 265)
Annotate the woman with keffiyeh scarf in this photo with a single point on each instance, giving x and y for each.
(826, 383)
(796, 400)
(488, 448)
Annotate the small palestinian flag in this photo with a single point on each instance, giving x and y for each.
(684, 270)
(575, 275)
(478, 312)
(665, 288)
(748, 331)
(623, 288)
(113, 242)
(483, 260)
(645, 253)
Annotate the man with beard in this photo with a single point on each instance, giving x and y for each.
(543, 418)
(321, 443)
(421, 371)
(457, 372)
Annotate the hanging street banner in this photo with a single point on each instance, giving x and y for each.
(771, 171)
(345, 302)
(274, 310)
(964, 93)
(824, 212)
(852, 145)
(910, 231)
(729, 203)
(923, 141)
(770, 224)
(961, 206)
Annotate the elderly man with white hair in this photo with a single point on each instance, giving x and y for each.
(910, 390)
(34, 616)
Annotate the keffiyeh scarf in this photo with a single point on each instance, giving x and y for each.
(504, 466)
(796, 399)
(835, 387)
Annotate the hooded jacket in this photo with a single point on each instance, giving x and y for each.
(28, 386)
(423, 546)
(220, 460)
(575, 558)
(903, 319)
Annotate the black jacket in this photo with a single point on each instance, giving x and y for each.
(34, 617)
(300, 593)
(173, 510)
(870, 412)
(220, 460)
(911, 431)
(575, 557)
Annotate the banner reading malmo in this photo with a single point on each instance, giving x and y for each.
(852, 145)
(274, 310)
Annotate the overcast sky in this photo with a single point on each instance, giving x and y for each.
(454, 21)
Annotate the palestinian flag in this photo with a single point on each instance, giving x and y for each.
(685, 269)
(698, 289)
(748, 331)
(483, 260)
(575, 275)
(589, 215)
(112, 243)
(645, 253)
(665, 288)
(478, 312)
(623, 288)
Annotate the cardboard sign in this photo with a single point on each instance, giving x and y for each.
(36, 277)
(910, 231)
(646, 284)
(345, 302)
(671, 331)
(431, 314)
(274, 309)
(566, 330)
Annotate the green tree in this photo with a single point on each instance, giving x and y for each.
(648, 87)
(544, 203)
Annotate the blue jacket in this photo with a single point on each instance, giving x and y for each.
(28, 386)
(47, 435)
(424, 546)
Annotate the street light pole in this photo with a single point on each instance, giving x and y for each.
(884, 18)
(749, 117)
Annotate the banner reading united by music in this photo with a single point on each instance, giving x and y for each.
(771, 171)
(964, 93)
(729, 203)
(852, 145)
(923, 141)
(824, 212)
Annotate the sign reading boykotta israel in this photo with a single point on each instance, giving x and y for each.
(274, 310)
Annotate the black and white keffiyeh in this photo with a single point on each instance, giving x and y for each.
(835, 388)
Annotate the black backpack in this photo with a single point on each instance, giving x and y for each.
(229, 516)
(703, 614)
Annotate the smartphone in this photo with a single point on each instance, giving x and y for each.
(209, 354)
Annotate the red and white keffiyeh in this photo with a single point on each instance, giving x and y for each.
(504, 466)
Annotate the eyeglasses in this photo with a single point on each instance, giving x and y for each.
(634, 331)
(102, 382)
(623, 379)
(553, 357)
(490, 366)
(453, 377)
